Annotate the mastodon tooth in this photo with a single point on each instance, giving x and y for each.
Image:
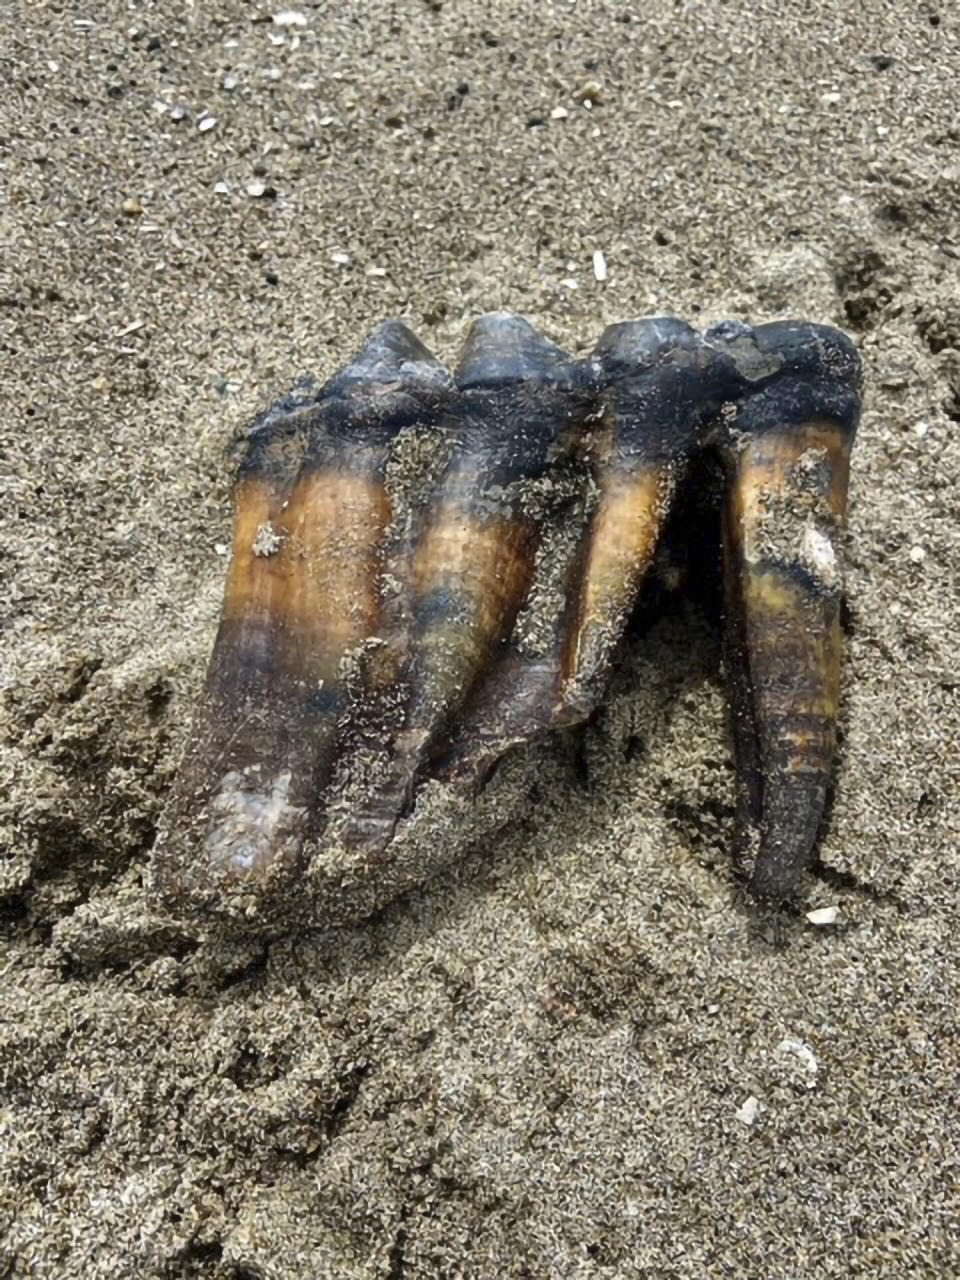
(787, 454)
(310, 509)
(517, 395)
(659, 385)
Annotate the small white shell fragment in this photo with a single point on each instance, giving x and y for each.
(747, 1113)
(221, 548)
(290, 18)
(341, 259)
(132, 327)
(376, 271)
(230, 82)
(266, 542)
(599, 265)
(917, 554)
(221, 188)
(559, 113)
(817, 550)
(256, 189)
(207, 123)
(823, 915)
(803, 1052)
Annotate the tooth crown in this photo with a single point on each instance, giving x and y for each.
(382, 634)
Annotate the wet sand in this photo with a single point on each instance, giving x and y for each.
(541, 1062)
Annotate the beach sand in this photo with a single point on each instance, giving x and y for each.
(577, 1051)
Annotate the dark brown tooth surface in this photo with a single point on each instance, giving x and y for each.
(517, 396)
(659, 384)
(788, 458)
(310, 511)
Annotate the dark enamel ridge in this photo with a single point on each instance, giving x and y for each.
(429, 572)
(660, 386)
(787, 455)
(476, 542)
(310, 513)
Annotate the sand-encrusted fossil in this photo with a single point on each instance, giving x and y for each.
(429, 571)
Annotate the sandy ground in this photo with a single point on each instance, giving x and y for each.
(536, 1064)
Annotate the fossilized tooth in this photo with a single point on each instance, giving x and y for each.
(788, 457)
(660, 384)
(518, 396)
(310, 510)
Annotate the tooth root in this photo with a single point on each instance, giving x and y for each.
(622, 540)
(788, 463)
(475, 547)
(517, 702)
(310, 510)
(661, 383)
(515, 707)
(474, 559)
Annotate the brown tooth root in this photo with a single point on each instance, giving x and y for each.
(227, 784)
(471, 573)
(514, 706)
(302, 590)
(660, 383)
(789, 461)
(517, 701)
(517, 394)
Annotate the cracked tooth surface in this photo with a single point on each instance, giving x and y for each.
(310, 511)
(788, 460)
(475, 545)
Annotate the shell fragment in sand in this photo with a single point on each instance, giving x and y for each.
(823, 915)
(804, 1054)
(748, 1112)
